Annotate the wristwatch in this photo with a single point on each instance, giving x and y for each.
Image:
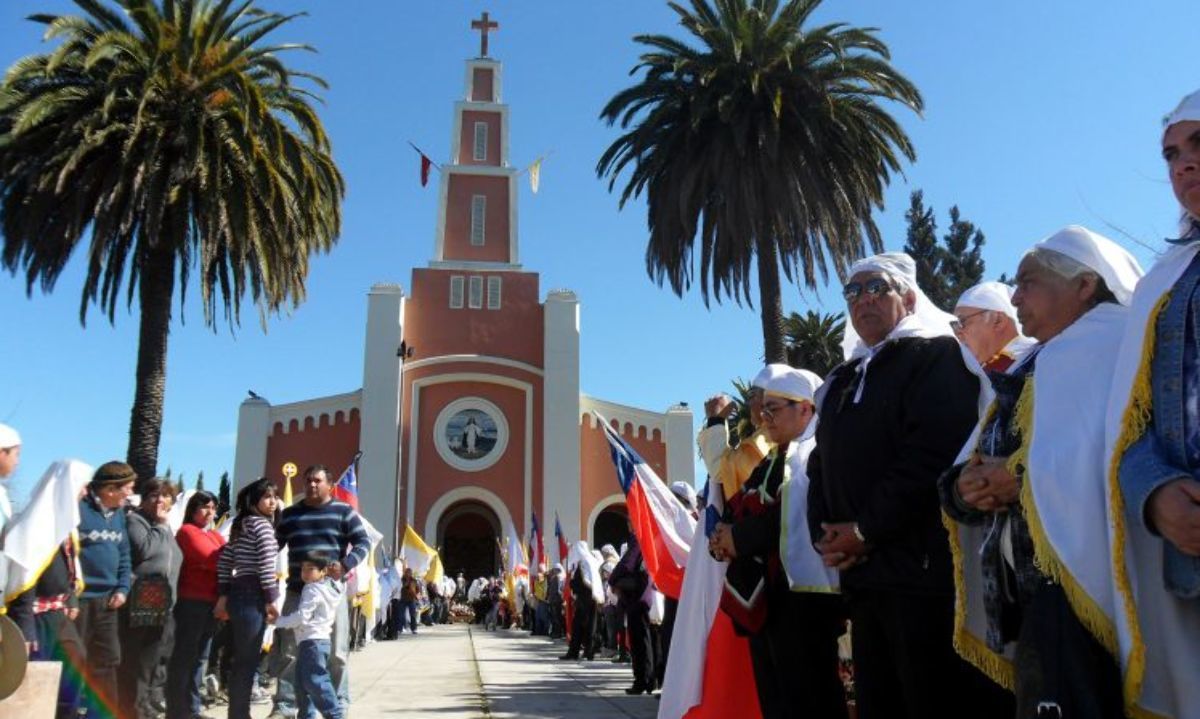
(858, 533)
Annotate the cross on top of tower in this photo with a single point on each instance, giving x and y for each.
(484, 25)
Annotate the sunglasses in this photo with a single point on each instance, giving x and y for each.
(875, 287)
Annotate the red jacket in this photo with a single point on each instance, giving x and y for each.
(198, 575)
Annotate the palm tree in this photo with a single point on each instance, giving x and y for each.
(814, 341)
(175, 141)
(769, 140)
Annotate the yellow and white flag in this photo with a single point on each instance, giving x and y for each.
(417, 555)
(535, 175)
(34, 535)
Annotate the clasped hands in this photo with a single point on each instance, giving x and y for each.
(987, 485)
(840, 546)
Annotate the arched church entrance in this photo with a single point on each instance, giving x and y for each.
(611, 526)
(467, 534)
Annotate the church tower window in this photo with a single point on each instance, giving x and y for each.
(475, 300)
(481, 141)
(456, 292)
(478, 214)
(493, 294)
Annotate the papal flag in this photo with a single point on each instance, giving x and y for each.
(417, 555)
(34, 535)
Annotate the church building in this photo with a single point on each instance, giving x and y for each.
(470, 418)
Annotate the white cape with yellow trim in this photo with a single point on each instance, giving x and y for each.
(1159, 635)
(803, 566)
(1061, 417)
(34, 535)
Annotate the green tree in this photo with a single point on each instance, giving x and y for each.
(944, 270)
(814, 341)
(200, 482)
(224, 503)
(764, 145)
(173, 140)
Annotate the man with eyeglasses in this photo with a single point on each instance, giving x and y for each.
(893, 418)
(986, 322)
(777, 589)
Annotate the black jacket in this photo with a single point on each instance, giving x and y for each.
(877, 462)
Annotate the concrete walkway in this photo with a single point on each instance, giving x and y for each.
(460, 672)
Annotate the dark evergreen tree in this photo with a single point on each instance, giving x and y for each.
(946, 269)
(200, 482)
(223, 498)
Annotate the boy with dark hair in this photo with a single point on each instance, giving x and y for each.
(313, 623)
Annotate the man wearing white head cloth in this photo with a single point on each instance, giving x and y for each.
(893, 418)
(1153, 445)
(10, 457)
(777, 589)
(731, 454)
(1030, 531)
(986, 322)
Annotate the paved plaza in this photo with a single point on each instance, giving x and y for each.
(460, 672)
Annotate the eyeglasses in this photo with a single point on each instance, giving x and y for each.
(875, 287)
(769, 411)
(958, 324)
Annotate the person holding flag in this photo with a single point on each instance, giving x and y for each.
(318, 523)
(777, 588)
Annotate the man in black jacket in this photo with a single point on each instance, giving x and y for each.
(893, 417)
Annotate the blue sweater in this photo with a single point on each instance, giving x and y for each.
(334, 528)
(103, 549)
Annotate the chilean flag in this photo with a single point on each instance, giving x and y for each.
(710, 675)
(346, 489)
(663, 526)
(562, 541)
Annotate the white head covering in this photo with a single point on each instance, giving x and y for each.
(794, 384)
(1187, 110)
(9, 437)
(925, 321)
(993, 296)
(608, 551)
(685, 492)
(765, 374)
(1101, 255)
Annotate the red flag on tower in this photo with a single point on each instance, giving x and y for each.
(426, 163)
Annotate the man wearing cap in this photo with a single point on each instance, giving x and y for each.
(1030, 534)
(893, 418)
(105, 561)
(986, 322)
(777, 589)
(1153, 445)
(730, 456)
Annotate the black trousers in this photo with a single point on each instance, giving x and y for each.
(795, 656)
(1060, 663)
(905, 666)
(665, 630)
(638, 626)
(583, 628)
(98, 629)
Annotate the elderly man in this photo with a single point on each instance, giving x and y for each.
(1029, 497)
(986, 322)
(778, 590)
(10, 457)
(1154, 446)
(893, 418)
(731, 454)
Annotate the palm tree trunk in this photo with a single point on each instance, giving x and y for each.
(155, 291)
(770, 302)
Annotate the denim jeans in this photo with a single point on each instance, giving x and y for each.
(313, 684)
(408, 613)
(247, 621)
(194, 626)
(284, 651)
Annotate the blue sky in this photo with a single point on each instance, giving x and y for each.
(1037, 115)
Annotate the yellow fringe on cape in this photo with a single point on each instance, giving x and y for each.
(1044, 557)
(1134, 421)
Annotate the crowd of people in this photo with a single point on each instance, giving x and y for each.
(999, 506)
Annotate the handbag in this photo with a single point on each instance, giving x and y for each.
(149, 602)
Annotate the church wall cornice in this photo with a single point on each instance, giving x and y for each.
(472, 359)
(312, 409)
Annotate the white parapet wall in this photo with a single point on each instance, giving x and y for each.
(379, 434)
(560, 411)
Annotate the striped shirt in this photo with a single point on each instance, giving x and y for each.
(248, 562)
(333, 528)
